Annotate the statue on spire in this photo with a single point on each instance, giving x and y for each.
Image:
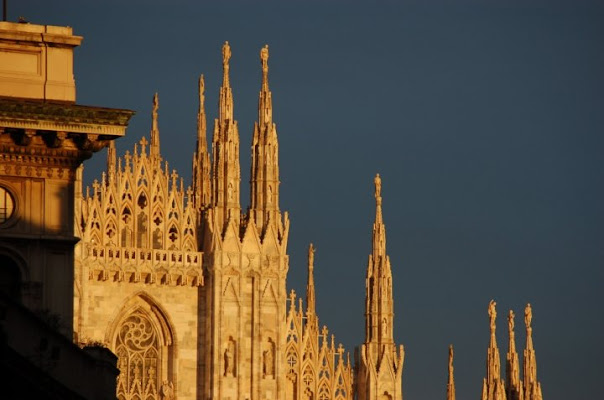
(378, 186)
(511, 321)
(528, 316)
(154, 148)
(226, 54)
(492, 314)
(310, 287)
(154, 111)
(264, 57)
(155, 105)
(202, 97)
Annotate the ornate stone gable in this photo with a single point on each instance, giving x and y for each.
(138, 224)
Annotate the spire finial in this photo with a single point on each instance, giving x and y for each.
(378, 186)
(511, 316)
(202, 97)
(154, 127)
(378, 197)
(226, 56)
(264, 60)
(310, 287)
(111, 158)
(379, 231)
(201, 158)
(528, 317)
(451, 380)
(155, 108)
(492, 316)
(226, 94)
(265, 103)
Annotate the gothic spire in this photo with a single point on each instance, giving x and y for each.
(532, 388)
(379, 230)
(264, 190)
(493, 360)
(154, 150)
(379, 309)
(493, 388)
(226, 93)
(381, 361)
(451, 380)
(225, 150)
(265, 103)
(111, 160)
(513, 384)
(310, 286)
(201, 157)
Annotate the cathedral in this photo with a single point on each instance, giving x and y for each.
(189, 290)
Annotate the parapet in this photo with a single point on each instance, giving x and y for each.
(36, 61)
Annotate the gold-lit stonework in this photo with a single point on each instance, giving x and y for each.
(189, 290)
(185, 287)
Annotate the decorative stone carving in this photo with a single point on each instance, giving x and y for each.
(229, 358)
(268, 359)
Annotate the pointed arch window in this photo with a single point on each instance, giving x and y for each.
(142, 341)
(139, 355)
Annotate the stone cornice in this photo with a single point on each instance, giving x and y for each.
(65, 117)
(53, 35)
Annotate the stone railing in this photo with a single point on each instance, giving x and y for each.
(130, 264)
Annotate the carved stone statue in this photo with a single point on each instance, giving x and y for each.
(228, 362)
(202, 86)
(264, 57)
(226, 53)
(528, 316)
(126, 232)
(492, 314)
(378, 186)
(268, 362)
(311, 255)
(155, 104)
(142, 230)
(167, 390)
(511, 321)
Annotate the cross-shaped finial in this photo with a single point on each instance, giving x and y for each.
(143, 143)
(340, 350)
(292, 296)
(127, 158)
(174, 176)
(324, 332)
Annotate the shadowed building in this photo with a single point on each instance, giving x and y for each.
(44, 138)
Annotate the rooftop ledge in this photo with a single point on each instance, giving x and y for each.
(26, 32)
(63, 116)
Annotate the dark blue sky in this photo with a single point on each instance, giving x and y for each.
(484, 118)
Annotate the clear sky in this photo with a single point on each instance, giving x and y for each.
(484, 118)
